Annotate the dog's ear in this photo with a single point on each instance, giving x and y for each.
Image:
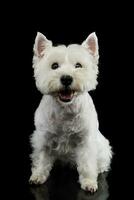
(91, 43)
(41, 43)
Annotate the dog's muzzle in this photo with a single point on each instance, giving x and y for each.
(66, 94)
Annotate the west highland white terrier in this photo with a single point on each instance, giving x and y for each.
(66, 121)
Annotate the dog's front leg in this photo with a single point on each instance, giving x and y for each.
(41, 166)
(87, 168)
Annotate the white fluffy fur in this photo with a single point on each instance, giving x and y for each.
(68, 131)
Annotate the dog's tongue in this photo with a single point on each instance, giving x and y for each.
(66, 95)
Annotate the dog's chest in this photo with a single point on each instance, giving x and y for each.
(67, 123)
(67, 133)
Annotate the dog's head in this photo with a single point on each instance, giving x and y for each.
(65, 72)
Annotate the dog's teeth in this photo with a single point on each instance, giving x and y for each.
(66, 95)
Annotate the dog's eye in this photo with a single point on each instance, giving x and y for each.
(54, 65)
(78, 65)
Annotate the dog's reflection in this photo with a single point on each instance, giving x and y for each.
(40, 192)
(70, 190)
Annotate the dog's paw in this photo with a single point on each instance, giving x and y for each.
(89, 185)
(37, 179)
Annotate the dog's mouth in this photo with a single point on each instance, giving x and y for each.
(66, 95)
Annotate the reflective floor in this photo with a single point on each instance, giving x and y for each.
(63, 185)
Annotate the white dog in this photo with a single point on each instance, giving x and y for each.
(66, 120)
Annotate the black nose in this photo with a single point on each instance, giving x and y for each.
(66, 80)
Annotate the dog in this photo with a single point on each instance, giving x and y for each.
(66, 122)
